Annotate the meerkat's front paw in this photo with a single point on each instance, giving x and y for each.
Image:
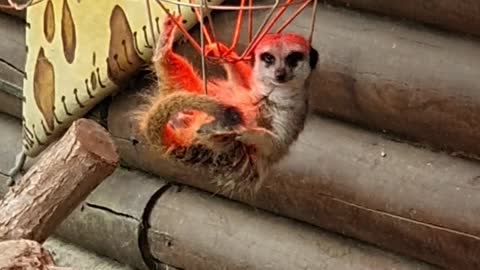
(220, 50)
(216, 49)
(263, 139)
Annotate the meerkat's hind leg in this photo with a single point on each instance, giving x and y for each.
(166, 38)
(174, 71)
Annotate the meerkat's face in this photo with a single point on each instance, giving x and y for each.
(284, 60)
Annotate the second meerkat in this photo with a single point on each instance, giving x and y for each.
(244, 124)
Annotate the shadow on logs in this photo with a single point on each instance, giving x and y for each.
(409, 200)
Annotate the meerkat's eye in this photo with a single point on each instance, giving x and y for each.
(293, 58)
(267, 58)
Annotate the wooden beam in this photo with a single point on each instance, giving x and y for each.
(413, 201)
(13, 50)
(133, 213)
(193, 230)
(460, 16)
(58, 182)
(12, 64)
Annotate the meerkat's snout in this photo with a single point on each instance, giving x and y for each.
(281, 75)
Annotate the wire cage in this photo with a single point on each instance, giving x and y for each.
(275, 9)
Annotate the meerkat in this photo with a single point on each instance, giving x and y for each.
(245, 123)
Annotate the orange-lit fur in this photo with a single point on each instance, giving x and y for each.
(244, 124)
(176, 74)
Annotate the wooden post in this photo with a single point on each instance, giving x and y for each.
(55, 185)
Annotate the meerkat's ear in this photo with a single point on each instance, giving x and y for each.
(313, 58)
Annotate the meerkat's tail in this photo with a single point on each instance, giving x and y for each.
(153, 122)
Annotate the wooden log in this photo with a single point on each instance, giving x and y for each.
(388, 76)
(353, 182)
(10, 104)
(12, 63)
(68, 254)
(25, 255)
(193, 230)
(58, 182)
(13, 52)
(110, 221)
(113, 218)
(460, 16)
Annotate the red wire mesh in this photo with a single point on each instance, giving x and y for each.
(276, 10)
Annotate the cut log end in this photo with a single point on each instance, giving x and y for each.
(95, 139)
(58, 182)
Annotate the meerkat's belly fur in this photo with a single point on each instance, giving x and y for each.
(287, 114)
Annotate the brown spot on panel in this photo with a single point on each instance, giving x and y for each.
(44, 88)
(49, 21)
(69, 39)
(123, 60)
(93, 80)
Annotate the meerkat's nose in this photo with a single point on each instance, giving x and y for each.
(280, 74)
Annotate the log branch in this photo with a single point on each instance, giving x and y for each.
(62, 178)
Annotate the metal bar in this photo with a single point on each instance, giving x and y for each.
(270, 25)
(294, 15)
(182, 29)
(204, 29)
(210, 22)
(232, 8)
(314, 17)
(265, 21)
(236, 33)
(202, 44)
(250, 22)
